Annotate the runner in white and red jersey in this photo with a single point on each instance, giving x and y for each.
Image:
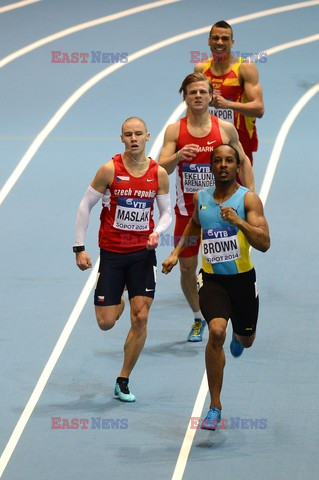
(127, 215)
(188, 145)
(195, 174)
(128, 186)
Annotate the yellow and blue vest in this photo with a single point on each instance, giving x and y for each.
(225, 249)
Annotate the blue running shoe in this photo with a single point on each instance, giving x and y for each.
(122, 391)
(236, 347)
(196, 333)
(212, 419)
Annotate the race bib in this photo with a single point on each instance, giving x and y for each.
(226, 114)
(196, 177)
(132, 214)
(220, 245)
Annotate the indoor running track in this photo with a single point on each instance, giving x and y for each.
(59, 123)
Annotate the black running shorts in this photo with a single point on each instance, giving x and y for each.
(230, 296)
(136, 270)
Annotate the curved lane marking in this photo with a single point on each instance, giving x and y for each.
(81, 26)
(14, 6)
(41, 137)
(27, 412)
(268, 178)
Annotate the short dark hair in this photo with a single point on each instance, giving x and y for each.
(222, 24)
(225, 145)
(194, 77)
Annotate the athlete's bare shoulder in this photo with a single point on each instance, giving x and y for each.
(172, 131)
(227, 130)
(199, 67)
(104, 177)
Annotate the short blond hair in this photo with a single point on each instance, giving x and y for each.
(194, 77)
(134, 118)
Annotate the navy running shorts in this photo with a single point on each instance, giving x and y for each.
(136, 270)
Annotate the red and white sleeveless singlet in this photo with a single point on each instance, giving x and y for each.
(127, 213)
(194, 175)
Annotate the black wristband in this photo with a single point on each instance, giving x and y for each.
(78, 248)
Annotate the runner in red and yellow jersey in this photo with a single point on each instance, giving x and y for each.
(237, 92)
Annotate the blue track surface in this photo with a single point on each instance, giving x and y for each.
(276, 380)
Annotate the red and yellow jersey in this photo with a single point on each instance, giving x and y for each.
(194, 175)
(127, 213)
(229, 87)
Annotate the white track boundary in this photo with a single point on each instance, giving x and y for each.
(81, 26)
(181, 108)
(280, 140)
(44, 377)
(99, 21)
(27, 412)
(14, 6)
(199, 403)
(57, 117)
(268, 178)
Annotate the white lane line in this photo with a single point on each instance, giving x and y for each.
(293, 44)
(268, 178)
(190, 432)
(181, 108)
(280, 140)
(17, 432)
(272, 11)
(82, 26)
(16, 5)
(157, 145)
(41, 137)
(6, 455)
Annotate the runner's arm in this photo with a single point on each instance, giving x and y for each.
(192, 230)
(93, 194)
(246, 173)
(253, 104)
(163, 201)
(255, 227)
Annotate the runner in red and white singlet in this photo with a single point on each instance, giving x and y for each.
(194, 175)
(188, 145)
(127, 214)
(127, 186)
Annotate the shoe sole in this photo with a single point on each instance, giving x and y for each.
(207, 428)
(126, 401)
(194, 339)
(119, 395)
